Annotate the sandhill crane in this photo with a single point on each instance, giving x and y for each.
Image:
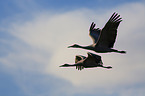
(103, 39)
(91, 61)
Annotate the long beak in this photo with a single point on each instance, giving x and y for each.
(61, 66)
(69, 46)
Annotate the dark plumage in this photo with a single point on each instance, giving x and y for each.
(91, 61)
(103, 39)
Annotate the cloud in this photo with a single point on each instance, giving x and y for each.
(41, 46)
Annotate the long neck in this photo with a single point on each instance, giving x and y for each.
(86, 47)
(71, 65)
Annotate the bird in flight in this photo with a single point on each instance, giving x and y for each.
(103, 39)
(91, 61)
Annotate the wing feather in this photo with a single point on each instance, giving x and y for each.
(79, 58)
(94, 33)
(109, 32)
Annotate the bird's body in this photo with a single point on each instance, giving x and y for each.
(103, 39)
(91, 61)
(98, 49)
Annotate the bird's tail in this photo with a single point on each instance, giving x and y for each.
(122, 52)
(114, 50)
(108, 67)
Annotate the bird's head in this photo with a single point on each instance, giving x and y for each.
(74, 46)
(65, 65)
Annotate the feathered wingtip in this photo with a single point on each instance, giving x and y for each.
(115, 17)
(79, 67)
(92, 26)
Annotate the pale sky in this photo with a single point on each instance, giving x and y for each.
(34, 36)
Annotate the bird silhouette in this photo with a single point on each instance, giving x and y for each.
(103, 39)
(91, 61)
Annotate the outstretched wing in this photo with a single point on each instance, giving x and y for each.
(97, 58)
(109, 32)
(79, 67)
(89, 61)
(79, 58)
(94, 33)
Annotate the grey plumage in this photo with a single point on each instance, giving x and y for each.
(91, 61)
(103, 39)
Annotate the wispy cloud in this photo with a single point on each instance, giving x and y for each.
(40, 46)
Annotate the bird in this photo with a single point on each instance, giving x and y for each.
(91, 61)
(103, 39)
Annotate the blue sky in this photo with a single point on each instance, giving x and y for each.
(34, 35)
(12, 7)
